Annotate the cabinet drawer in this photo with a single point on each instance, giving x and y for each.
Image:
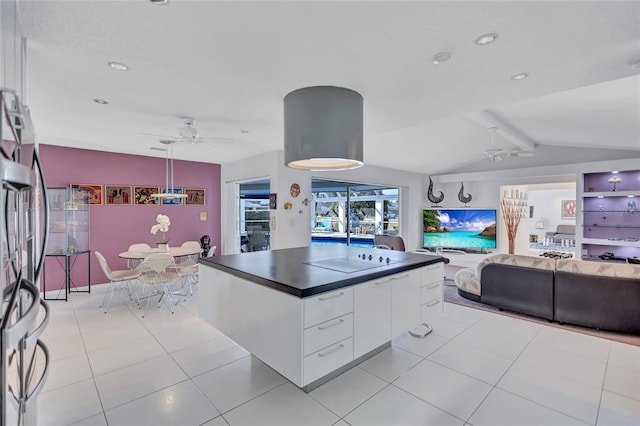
(326, 333)
(328, 359)
(432, 307)
(432, 273)
(326, 306)
(431, 291)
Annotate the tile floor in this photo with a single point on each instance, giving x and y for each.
(476, 368)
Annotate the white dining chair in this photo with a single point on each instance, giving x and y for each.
(158, 272)
(134, 263)
(193, 258)
(127, 276)
(212, 251)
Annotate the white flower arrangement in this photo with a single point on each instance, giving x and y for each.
(162, 226)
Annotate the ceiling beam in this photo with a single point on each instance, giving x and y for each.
(488, 118)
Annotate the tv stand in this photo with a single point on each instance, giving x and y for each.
(454, 251)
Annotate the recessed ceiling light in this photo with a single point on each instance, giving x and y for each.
(159, 2)
(520, 76)
(441, 57)
(100, 101)
(244, 132)
(614, 172)
(486, 39)
(118, 66)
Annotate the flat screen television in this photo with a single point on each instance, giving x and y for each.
(465, 229)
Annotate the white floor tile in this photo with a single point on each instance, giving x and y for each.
(455, 393)
(234, 384)
(566, 364)
(567, 396)
(97, 420)
(473, 362)
(124, 354)
(390, 363)
(442, 326)
(218, 421)
(623, 381)
(68, 404)
(64, 347)
(62, 323)
(422, 347)
(502, 337)
(393, 406)
(126, 384)
(194, 334)
(623, 355)
(181, 404)
(504, 408)
(103, 338)
(67, 371)
(575, 343)
(462, 314)
(347, 391)
(284, 405)
(203, 357)
(617, 410)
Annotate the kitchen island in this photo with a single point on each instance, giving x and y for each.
(310, 313)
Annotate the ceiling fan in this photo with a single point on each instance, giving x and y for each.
(188, 134)
(496, 154)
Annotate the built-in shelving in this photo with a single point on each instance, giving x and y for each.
(610, 219)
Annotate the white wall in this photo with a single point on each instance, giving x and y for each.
(290, 228)
(12, 61)
(546, 204)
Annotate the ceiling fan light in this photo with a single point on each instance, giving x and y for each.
(323, 128)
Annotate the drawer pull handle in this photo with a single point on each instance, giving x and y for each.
(433, 268)
(433, 303)
(432, 286)
(333, 296)
(330, 351)
(324, 327)
(398, 278)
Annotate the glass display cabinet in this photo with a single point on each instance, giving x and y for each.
(69, 233)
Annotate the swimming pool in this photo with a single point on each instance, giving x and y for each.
(353, 241)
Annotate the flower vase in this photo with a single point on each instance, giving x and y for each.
(163, 247)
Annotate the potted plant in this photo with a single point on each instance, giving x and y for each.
(162, 226)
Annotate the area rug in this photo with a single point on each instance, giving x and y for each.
(451, 295)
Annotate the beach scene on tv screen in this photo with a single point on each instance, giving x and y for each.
(469, 228)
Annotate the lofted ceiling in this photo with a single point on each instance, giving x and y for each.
(229, 65)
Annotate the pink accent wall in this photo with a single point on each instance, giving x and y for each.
(115, 227)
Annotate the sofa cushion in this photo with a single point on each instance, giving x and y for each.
(620, 270)
(545, 263)
(467, 281)
(566, 229)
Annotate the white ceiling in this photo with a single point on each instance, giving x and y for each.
(229, 65)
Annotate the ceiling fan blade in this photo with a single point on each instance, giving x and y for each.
(221, 141)
(159, 136)
(522, 154)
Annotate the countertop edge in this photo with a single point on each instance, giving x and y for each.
(335, 285)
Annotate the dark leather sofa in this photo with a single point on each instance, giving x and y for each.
(590, 294)
(518, 288)
(607, 299)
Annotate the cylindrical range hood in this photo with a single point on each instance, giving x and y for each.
(323, 128)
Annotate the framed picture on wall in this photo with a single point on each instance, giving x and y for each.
(142, 194)
(94, 193)
(117, 194)
(172, 200)
(568, 209)
(195, 196)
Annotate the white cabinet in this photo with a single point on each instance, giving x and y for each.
(372, 315)
(432, 278)
(306, 339)
(405, 301)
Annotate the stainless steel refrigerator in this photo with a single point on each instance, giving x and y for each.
(23, 230)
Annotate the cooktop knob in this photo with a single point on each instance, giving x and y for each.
(370, 257)
(388, 260)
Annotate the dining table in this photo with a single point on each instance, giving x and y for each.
(176, 252)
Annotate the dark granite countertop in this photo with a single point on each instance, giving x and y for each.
(305, 271)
